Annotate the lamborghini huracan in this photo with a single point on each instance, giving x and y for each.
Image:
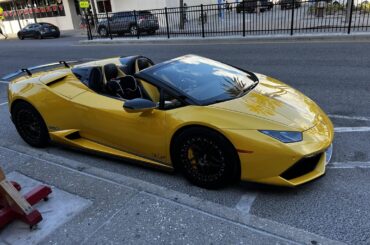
(214, 122)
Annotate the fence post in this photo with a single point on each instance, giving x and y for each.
(243, 12)
(202, 17)
(168, 28)
(108, 21)
(350, 17)
(292, 24)
(89, 34)
(137, 27)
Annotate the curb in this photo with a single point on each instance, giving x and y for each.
(361, 36)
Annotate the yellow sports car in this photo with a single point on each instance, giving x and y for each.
(214, 122)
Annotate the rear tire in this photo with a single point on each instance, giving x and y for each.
(206, 158)
(103, 32)
(30, 125)
(133, 30)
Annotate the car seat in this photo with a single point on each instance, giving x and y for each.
(95, 81)
(113, 86)
(130, 87)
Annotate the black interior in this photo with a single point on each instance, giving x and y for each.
(110, 71)
(144, 63)
(96, 81)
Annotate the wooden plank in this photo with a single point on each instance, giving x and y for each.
(12, 197)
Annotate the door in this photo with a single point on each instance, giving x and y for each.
(104, 121)
(27, 31)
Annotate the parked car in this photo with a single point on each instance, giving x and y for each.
(215, 123)
(39, 31)
(289, 4)
(250, 6)
(125, 22)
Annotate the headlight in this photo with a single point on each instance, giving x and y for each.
(284, 136)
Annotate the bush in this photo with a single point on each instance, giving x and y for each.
(364, 7)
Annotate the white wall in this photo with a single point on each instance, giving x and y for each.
(125, 5)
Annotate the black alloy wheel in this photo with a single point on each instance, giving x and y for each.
(133, 30)
(30, 125)
(206, 158)
(103, 31)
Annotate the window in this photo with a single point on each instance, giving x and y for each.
(104, 6)
(204, 80)
(33, 9)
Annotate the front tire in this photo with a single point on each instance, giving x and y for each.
(206, 158)
(30, 125)
(38, 35)
(20, 36)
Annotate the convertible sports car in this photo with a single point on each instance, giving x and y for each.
(214, 122)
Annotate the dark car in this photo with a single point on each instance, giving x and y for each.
(289, 4)
(127, 22)
(250, 6)
(39, 31)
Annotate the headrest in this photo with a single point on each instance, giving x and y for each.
(144, 63)
(129, 82)
(96, 80)
(110, 71)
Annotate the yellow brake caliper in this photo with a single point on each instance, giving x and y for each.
(192, 159)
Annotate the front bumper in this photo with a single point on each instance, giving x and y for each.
(266, 160)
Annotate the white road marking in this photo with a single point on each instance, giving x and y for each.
(245, 203)
(350, 118)
(351, 129)
(5, 103)
(349, 165)
(4, 82)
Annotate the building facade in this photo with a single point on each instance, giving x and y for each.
(126, 5)
(19, 13)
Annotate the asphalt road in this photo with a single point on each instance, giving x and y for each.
(334, 74)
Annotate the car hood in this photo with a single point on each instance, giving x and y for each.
(275, 101)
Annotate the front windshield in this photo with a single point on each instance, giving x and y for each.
(204, 80)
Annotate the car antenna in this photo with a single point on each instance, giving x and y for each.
(28, 71)
(64, 63)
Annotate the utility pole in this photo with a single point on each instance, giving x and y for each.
(182, 14)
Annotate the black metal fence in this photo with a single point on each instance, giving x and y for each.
(234, 19)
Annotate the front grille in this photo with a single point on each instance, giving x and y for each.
(302, 167)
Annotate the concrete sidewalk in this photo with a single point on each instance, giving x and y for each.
(330, 37)
(117, 209)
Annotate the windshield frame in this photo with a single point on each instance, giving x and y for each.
(148, 75)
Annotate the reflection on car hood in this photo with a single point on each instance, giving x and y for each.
(276, 101)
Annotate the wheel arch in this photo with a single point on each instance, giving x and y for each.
(205, 127)
(22, 100)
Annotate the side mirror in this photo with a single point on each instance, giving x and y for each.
(139, 105)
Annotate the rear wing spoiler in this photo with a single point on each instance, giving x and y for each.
(29, 71)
